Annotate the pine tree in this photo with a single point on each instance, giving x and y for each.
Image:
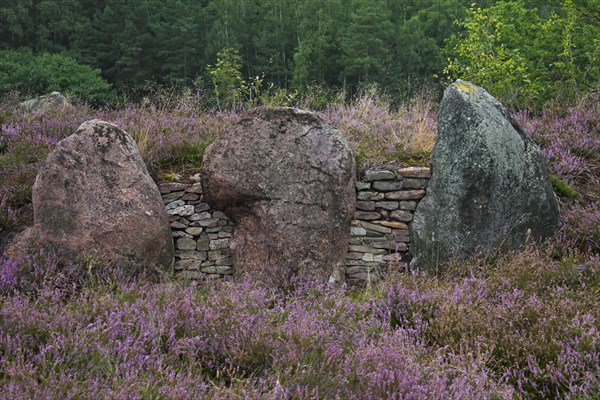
(317, 58)
(366, 44)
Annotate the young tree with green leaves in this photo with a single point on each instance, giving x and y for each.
(226, 76)
(523, 58)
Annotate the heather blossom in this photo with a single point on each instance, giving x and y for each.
(523, 324)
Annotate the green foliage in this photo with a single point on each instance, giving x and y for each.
(317, 57)
(226, 75)
(319, 98)
(366, 44)
(523, 58)
(277, 97)
(420, 33)
(482, 56)
(37, 75)
(563, 189)
(524, 51)
(15, 23)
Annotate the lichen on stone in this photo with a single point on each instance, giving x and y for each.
(465, 87)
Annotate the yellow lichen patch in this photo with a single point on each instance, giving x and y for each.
(465, 87)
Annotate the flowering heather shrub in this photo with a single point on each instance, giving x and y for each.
(534, 321)
(580, 232)
(516, 325)
(25, 140)
(570, 139)
(168, 138)
(180, 340)
(526, 326)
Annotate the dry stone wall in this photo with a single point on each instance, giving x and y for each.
(201, 235)
(379, 241)
(379, 232)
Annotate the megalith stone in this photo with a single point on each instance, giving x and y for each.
(286, 179)
(52, 102)
(489, 187)
(93, 196)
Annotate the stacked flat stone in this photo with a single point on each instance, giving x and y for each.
(201, 234)
(379, 234)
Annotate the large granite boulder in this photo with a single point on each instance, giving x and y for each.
(52, 102)
(93, 196)
(489, 187)
(286, 179)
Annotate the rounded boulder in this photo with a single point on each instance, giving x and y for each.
(286, 179)
(93, 196)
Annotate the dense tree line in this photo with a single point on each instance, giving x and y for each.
(392, 45)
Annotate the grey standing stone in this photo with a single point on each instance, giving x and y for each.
(489, 184)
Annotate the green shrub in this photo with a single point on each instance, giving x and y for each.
(563, 189)
(524, 58)
(33, 75)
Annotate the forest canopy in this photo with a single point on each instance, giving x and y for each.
(526, 52)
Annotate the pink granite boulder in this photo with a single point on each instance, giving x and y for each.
(93, 196)
(286, 179)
